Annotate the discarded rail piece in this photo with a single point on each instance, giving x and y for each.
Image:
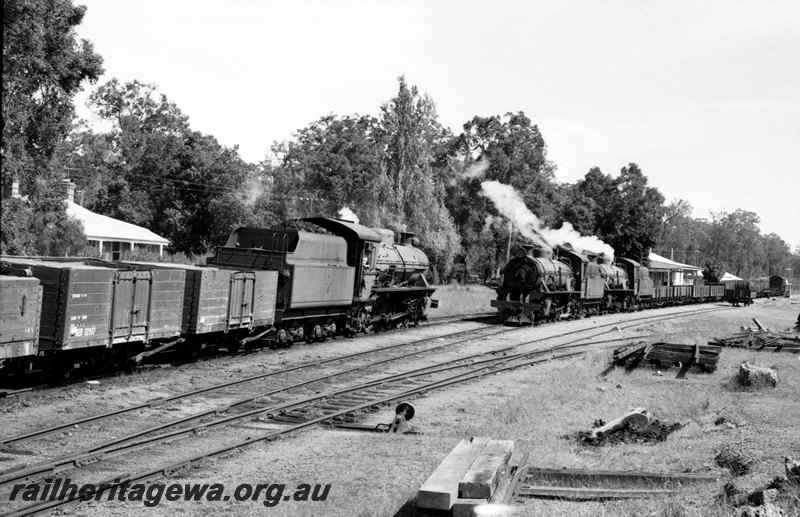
(588, 485)
(665, 355)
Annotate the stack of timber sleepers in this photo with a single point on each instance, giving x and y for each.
(665, 355)
(477, 471)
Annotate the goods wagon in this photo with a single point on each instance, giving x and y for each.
(222, 300)
(780, 286)
(20, 314)
(86, 305)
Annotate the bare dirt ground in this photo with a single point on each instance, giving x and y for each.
(539, 407)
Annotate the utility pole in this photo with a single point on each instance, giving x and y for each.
(508, 249)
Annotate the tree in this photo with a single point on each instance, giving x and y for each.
(511, 150)
(415, 143)
(735, 240)
(713, 271)
(628, 213)
(777, 255)
(43, 68)
(334, 162)
(153, 170)
(384, 169)
(682, 236)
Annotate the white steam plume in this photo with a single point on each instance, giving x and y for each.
(255, 189)
(509, 203)
(492, 220)
(347, 215)
(476, 170)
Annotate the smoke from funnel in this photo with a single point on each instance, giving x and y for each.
(509, 203)
(347, 215)
(476, 170)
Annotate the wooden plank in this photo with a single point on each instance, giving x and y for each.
(440, 490)
(694, 360)
(588, 494)
(640, 357)
(636, 418)
(482, 478)
(516, 465)
(466, 507)
(624, 352)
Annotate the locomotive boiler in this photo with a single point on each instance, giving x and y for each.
(534, 285)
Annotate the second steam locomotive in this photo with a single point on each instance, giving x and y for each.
(539, 284)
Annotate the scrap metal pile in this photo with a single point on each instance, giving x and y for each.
(761, 338)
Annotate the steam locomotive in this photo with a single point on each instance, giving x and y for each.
(276, 286)
(544, 284)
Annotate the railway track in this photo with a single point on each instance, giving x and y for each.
(296, 414)
(435, 321)
(160, 402)
(281, 371)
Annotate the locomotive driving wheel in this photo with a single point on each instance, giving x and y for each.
(414, 310)
(546, 312)
(364, 321)
(360, 320)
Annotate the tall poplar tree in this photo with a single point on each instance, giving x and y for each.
(415, 142)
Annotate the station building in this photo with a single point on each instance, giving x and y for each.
(664, 271)
(107, 238)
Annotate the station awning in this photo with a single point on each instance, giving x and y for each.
(103, 228)
(659, 263)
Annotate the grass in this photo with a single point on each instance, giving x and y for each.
(570, 396)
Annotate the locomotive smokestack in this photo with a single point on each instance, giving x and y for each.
(345, 214)
(408, 239)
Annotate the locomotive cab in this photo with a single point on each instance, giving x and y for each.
(638, 277)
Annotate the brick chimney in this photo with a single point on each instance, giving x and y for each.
(11, 189)
(68, 190)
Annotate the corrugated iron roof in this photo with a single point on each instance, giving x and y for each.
(657, 262)
(101, 227)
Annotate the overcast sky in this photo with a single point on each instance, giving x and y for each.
(704, 96)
